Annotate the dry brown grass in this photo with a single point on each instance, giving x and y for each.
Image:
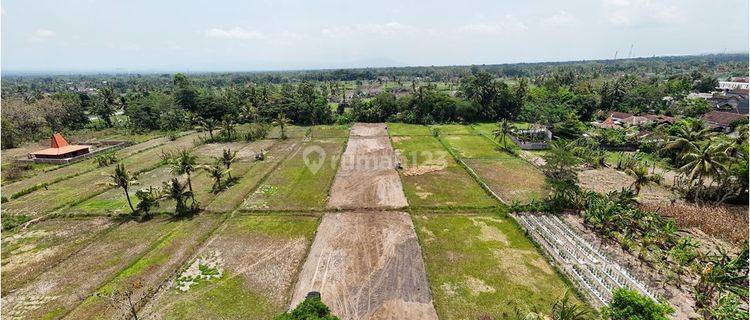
(717, 221)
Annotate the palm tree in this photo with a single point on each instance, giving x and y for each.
(185, 163)
(121, 178)
(227, 126)
(642, 178)
(227, 158)
(216, 171)
(686, 137)
(502, 132)
(209, 125)
(704, 160)
(176, 191)
(567, 310)
(282, 121)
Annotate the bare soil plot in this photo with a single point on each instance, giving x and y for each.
(58, 290)
(367, 265)
(405, 129)
(248, 269)
(29, 252)
(302, 181)
(230, 199)
(91, 183)
(726, 222)
(605, 180)
(512, 179)
(483, 266)
(80, 167)
(367, 177)
(330, 131)
(150, 271)
(432, 178)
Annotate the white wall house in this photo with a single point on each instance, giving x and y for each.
(729, 85)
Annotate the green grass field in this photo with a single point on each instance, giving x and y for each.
(454, 129)
(483, 265)
(295, 185)
(405, 129)
(291, 131)
(330, 131)
(261, 256)
(430, 176)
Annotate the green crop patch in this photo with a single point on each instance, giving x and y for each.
(253, 262)
(302, 181)
(484, 266)
(474, 146)
(290, 131)
(330, 131)
(430, 175)
(405, 129)
(454, 129)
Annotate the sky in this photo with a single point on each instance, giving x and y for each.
(234, 35)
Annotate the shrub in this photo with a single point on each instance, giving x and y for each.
(310, 309)
(11, 221)
(630, 305)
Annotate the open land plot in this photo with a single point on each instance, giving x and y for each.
(91, 183)
(330, 131)
(483, 265)
(405, 129)
(245, 150)
(432, 178)
(302, 181)
(245, 271)
(231, 198)
(512, 179)
(29, 252)
(65, 171)
(292, 131)
(605, 180)
(148, 273)
(367, 265)
(58, 290)
(367, 177)
(474, 147)
(454, 129)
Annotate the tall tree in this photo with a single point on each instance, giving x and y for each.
(121, 178)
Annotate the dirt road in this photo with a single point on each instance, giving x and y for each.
(367, 177)
(367, 265)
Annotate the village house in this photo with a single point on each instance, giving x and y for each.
(59, 150)
(722, 120)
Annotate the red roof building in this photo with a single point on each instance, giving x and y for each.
(722, 120)
(60, 149)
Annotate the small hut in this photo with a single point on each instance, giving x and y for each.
(60, 149)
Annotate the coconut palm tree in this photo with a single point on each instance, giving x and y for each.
(216, 171)
(227, 158)
(209, 125)
(642, 178)
(185, 163)
(704, 160)
(687, 136)
(121, 178)
(249, 113)
(227, 126)
(177, 191)
(502, 132)
(282, 121)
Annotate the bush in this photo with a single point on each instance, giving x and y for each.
(631, 305)
(310, 309)
(11, 221)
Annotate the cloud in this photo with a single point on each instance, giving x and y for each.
(508, 25)
(560, 19)
(41, 34)
(386, 30)
(641, 12)
(236, 33)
